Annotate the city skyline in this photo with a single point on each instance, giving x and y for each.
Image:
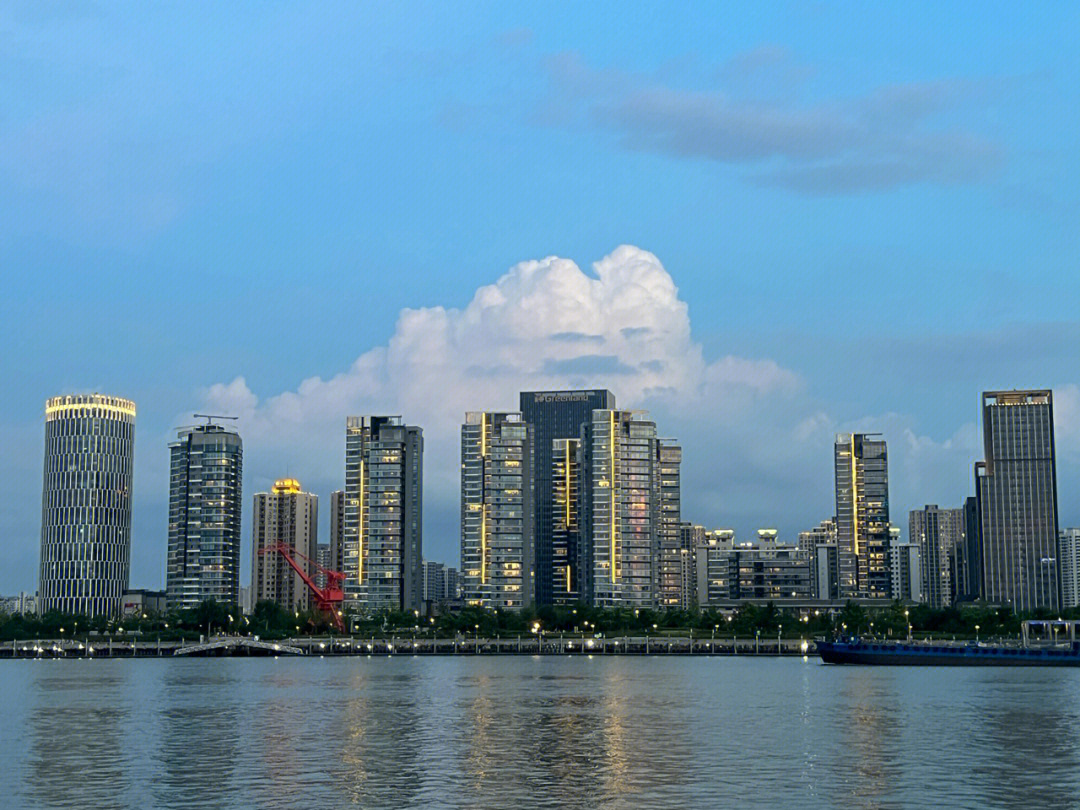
(641, 558)
(811, 190)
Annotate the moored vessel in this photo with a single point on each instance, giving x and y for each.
(856, 650)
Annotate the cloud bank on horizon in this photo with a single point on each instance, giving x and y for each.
(757, 445)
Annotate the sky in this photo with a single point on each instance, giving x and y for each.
(765, 223)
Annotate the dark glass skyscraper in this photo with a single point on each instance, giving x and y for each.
(554, 415)
(206, 470)
(1016, 488)
(86, 503)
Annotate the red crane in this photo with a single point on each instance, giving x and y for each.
(328, 599)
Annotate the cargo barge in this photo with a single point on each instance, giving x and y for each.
(1026, 653)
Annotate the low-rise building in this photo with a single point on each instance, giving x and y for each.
(764, 570)
(138, 601)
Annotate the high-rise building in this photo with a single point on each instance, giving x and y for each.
(434, 584)
(86, 503)
(938, 533)
(205, 475)
(818, 545)
(284, 516)
(336, 559)
(620, 514)
(969, 557)
(1016, 488)
(668, 557)
(554, 415)
(382, 531)
(497, 512)
(905, 573)
(862, 515)
(566, 528)
(1069, 554)
(691, 536)
(453, 584)
(322, 557)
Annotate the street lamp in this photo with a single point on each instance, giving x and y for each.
(976, 634)
(907, 618)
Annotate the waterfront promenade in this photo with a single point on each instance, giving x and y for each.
(407, 645)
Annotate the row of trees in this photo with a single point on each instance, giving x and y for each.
(271, 621)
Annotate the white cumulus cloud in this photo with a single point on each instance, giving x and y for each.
(545, 324)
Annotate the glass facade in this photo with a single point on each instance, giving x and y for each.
(939, 534)
(553, 415)
(497, 512)
(86, 503)
(620, 515)
(669, 587)
(862, 516)
(382, 515)
(1016, 490)
(566, 527)
(205, 475)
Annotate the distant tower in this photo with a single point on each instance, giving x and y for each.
(285, 515)
(382, 531)
(86, 503)
(497, 535)
(668, 557)
(1016, 490)
(939, 534)
(337, 524)
(862, 515)
(206, 470)
(1070, 568)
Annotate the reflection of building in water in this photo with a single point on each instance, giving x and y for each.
(1033, 749)
(198, 736)
(378, 756)
(871, 739)
(74, 758)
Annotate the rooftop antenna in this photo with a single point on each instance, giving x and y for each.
(210, 417)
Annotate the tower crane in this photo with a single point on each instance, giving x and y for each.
(327, 600)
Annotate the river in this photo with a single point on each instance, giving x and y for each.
(525, 732)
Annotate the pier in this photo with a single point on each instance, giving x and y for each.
(407, 646)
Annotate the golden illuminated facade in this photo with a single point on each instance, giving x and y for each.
(565, 474)
(862, 516)
(497, 534)
(289, 516)
(620, 495)
(86, 504)
(382, 513)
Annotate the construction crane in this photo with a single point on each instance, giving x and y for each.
(210, 417)
(327, 600)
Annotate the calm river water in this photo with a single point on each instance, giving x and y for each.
(492, 732)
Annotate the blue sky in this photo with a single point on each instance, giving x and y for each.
(868, 211)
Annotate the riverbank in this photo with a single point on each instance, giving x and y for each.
(394, 646)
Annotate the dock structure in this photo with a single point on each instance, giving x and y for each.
(545, 644)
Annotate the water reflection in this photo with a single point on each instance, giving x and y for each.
(478, 732)
(199, 733)
(1033, 758)
(77, 745)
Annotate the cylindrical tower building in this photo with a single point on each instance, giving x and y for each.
(86, 503)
